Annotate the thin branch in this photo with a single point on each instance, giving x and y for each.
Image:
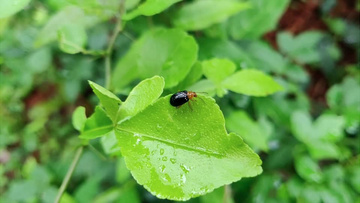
(69, 174)
(227, 194)
(118, 28)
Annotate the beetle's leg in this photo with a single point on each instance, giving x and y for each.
(190, 105)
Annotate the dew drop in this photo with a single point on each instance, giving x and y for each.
(167, 178)
(162, 168)
(138, 141)
(165, 158)
(183, 178)
(162, 151)
(185, 168)
(172, 160)
(153, 152)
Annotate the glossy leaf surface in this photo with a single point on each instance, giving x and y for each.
(175, 150)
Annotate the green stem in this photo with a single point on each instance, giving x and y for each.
(109, 50)
(227, 194)
(69, 174)
(117, 30)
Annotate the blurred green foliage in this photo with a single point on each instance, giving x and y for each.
(308, 135)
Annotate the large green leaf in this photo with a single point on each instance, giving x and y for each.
(251, 82)
(201, 14)
(166, 52)
(108, 100)
(262, 17)
(149, 8)
(173, 151)
(8, 8)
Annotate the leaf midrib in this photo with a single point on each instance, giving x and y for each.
(215, 154)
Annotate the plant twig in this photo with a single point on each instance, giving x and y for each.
(118, 28)
(69, 174)
(227, 194)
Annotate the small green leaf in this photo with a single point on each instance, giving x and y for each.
(202, 14)
(109, 144)
(262, 17)
(79, 118)
(308, 169)
(8, 8)
(217, 70)
(251, 82)
(108, 100)
(175, 150)
(72, 38)
(97, 125)
(149, 8)
(144, 94)
(169, 53)
(248, 129)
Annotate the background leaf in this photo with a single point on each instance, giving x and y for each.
(72, 14)
(172, 60)
(8, 8)
(72, 38)
(201, 14)
(302, 48)
(79, 118)
(248, 129)
(251, 82)
(149, 8)
(260, 18)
